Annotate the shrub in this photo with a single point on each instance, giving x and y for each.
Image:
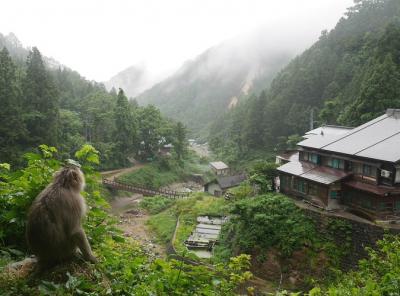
(156, 204)
(123, 268)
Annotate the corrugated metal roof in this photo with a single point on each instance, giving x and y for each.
(328, 130)
(377, 139)
(296, 168)
(314, 173)
(289, 155)
(219, 165)
(230, 181)
(324, 175)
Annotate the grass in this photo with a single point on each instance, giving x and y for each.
(164, 172)
(156, 204)
(163, 223)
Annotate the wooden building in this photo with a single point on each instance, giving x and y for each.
(221, 184)
(356, 168)
(219, 168)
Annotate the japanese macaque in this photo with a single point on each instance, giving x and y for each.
(54, 231)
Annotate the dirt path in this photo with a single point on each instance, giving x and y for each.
(116, 173)
(132, 221)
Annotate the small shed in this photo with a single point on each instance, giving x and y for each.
(166, 150)
(219, 168)
(221, 184)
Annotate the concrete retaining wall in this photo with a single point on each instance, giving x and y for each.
(362, 234)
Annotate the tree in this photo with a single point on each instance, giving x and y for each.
(40, 101)
(379, 91)
(262, 174)
(150, 123)
(180, 143)
(12, 129)
(253, 128)
(125, 133)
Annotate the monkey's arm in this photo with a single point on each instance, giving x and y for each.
(82, 242)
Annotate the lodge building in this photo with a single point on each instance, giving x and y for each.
(357, 169)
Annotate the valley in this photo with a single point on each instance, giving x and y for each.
(261, 166)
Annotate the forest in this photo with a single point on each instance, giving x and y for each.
(51, 117)
(57, 107)
(349, 76)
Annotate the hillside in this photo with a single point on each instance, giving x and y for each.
(349, 76)
(19, 53)
(133, 80)
(214, 82)
(43, 103)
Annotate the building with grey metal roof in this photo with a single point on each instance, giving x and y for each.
(357, 167)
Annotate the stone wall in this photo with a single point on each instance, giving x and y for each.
(361, 234)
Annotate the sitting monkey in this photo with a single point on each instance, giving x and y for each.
(54, 230)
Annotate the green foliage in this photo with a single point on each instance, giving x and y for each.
(262, 176)
(244, 190)
(12, 129)
(162, 172)
(125, 130)
(180, 144)
(377, 275)
(187, 210)
(150, 134)
(156, 204)
(18, 189)
(349, 76)
(150, 176)
(123, 268)
(40, 101)
(266, 221)
(60, 108)
(163, 224)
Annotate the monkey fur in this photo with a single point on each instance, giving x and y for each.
(54, 231)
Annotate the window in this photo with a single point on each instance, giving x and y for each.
(312, 189)
(397, 205)
(397, 180)
(335, 163)
(367, 170)
(333, 195)
(284, 182)
(366, 203)
(349, 166)
(302, 186)
(314, 158)
(299, 185)
(385, 206)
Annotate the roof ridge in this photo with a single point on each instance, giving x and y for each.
(352, 133)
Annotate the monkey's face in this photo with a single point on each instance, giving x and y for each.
(70, 177)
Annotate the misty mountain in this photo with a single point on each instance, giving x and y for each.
(19, 53)
(133, 80)
(221, 77)
(347, 77)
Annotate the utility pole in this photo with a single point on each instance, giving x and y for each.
(312, 119)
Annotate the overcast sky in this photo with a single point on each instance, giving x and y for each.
(99, 38)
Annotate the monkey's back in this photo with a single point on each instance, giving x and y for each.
(53, 216)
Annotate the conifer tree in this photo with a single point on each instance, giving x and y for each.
(40, 102)
(179, 142)
(125, 134)
(12, 129)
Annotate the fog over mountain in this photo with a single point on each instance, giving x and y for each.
(134, 79)
(19, 52)
(218, 79)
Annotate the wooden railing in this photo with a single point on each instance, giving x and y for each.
(145, 191)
